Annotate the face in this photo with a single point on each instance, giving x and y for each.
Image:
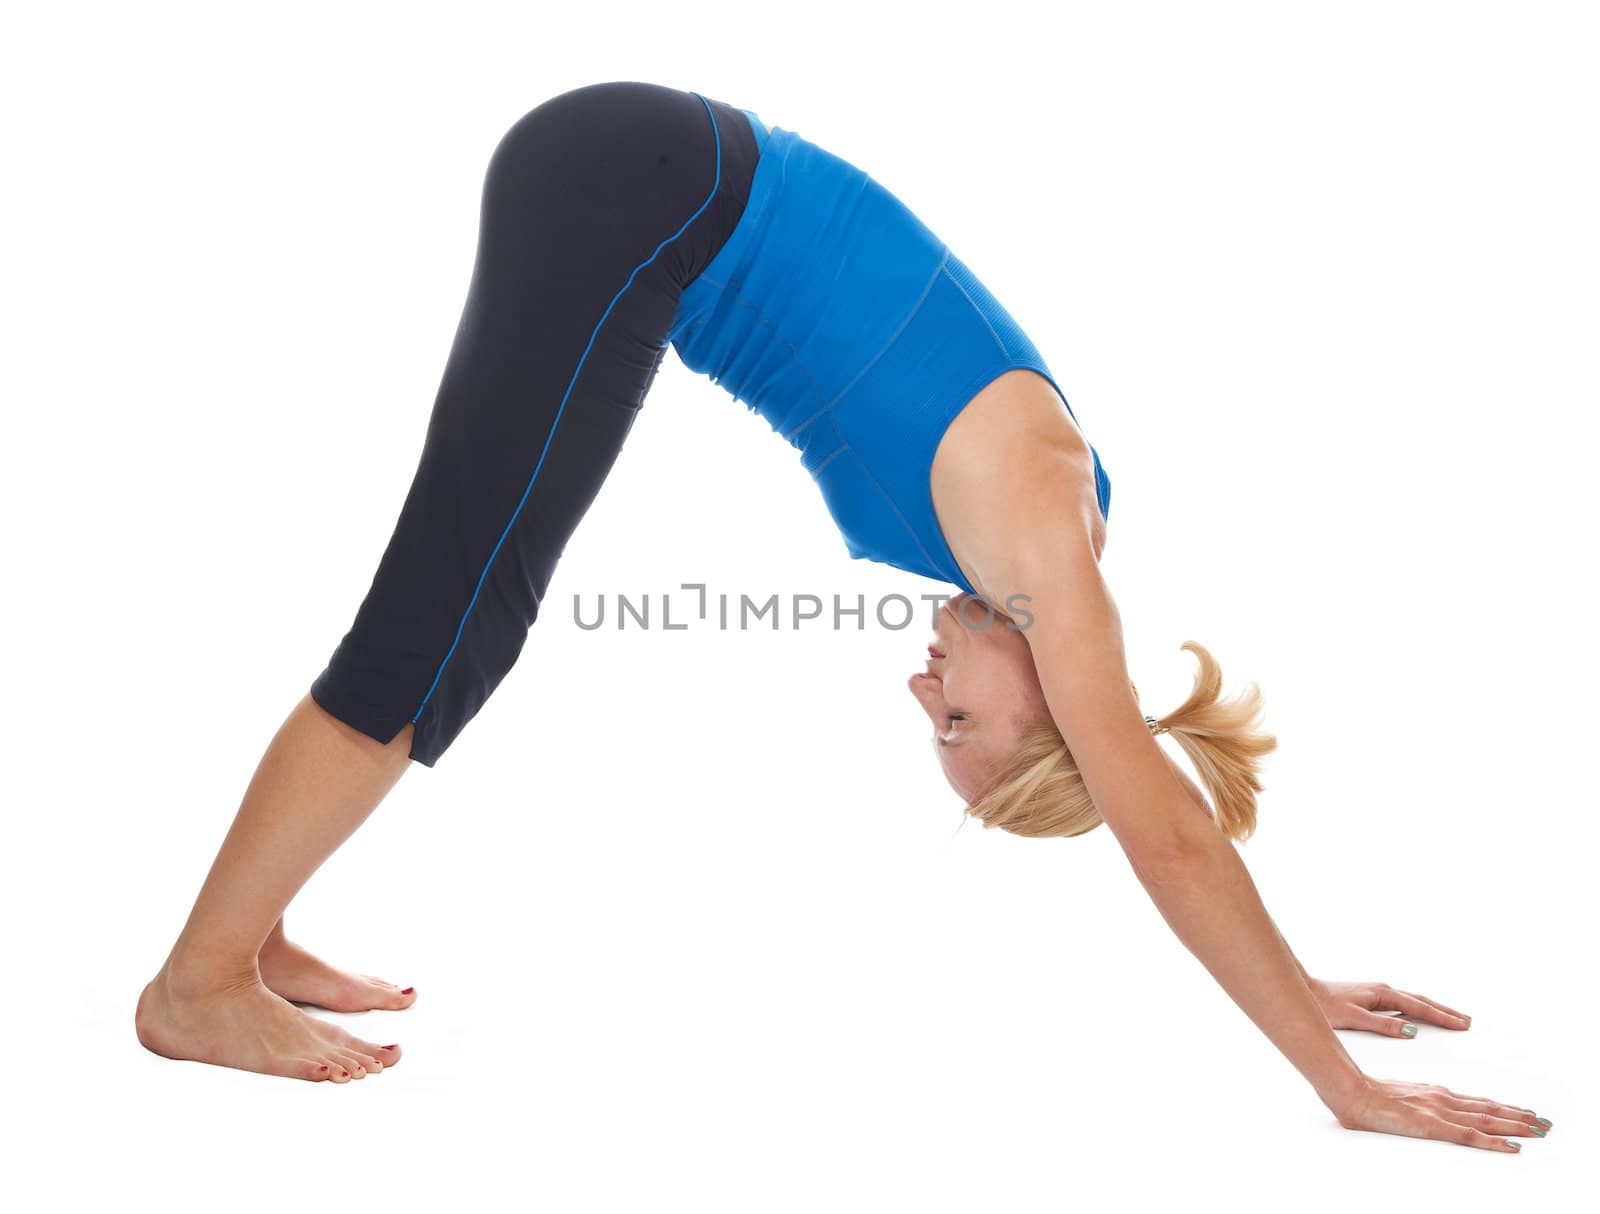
(980, 690)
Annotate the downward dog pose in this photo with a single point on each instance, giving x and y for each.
(618, 219)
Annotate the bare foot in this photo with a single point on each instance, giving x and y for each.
(248, 1027)
(290, 971)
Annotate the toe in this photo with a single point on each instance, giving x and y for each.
(386, 1054)
(369, 1056)
(307, 1068)
(390, 999)
(387, 995)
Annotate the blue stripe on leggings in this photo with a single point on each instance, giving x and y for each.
(461, 627)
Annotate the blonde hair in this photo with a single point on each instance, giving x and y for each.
(1039, 791)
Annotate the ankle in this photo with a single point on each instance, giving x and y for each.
(187, 977)
(276, 945)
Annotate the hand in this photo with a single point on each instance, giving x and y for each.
(1424, 1110)
(1355, 1005)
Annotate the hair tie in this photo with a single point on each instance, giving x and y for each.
(1155, 726)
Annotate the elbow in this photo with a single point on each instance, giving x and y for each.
(1173, 863)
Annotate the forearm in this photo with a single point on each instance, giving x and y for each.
(1309, 979)
(1199, 798)
(1213, 907)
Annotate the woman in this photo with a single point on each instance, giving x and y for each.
(617, 219)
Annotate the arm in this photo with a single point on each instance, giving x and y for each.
(1036, 541)
(1036, 538)
(1190, 870)
(1199, 798)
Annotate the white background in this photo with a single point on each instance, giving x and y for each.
(690, 915)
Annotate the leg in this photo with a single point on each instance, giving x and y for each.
(318, 780)
(598, 208)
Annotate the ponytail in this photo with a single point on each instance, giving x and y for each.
(1039, 791)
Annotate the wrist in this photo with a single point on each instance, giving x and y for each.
(1346, 1091)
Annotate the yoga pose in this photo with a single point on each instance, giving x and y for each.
(618, 219)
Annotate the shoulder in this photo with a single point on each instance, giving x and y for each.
(1013, 483)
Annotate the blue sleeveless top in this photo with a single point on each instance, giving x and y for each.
(838, 316)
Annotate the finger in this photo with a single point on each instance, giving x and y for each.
(1476, 1102)
(1467, 1136)
(1495, 1108)
(1422, 1009)
(1448, 1011)
(1490, 1123)
(1372, 1022)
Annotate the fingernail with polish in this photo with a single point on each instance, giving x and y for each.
(1515, 1146)
(1539, 1130)
(1409, 1031)
(1544, 1121)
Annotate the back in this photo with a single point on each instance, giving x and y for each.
(837, 315)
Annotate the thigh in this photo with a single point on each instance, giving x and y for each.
(598, 207)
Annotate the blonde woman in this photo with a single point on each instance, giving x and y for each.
(618, 219)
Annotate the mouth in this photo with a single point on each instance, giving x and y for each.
(935, 653)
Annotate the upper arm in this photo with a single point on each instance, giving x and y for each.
(1015, 491)
(1076, 642)
(1047, 577)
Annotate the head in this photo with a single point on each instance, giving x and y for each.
(980, 691)
(1003, 755)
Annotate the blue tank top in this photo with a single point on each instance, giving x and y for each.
(834, 313)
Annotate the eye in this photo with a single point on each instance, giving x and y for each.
(955, 716)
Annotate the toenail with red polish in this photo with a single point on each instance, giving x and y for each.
(408, 990)
(323, 1067)
(346, 1074)
(395, 1046)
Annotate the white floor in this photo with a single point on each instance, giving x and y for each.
(946, 1028)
